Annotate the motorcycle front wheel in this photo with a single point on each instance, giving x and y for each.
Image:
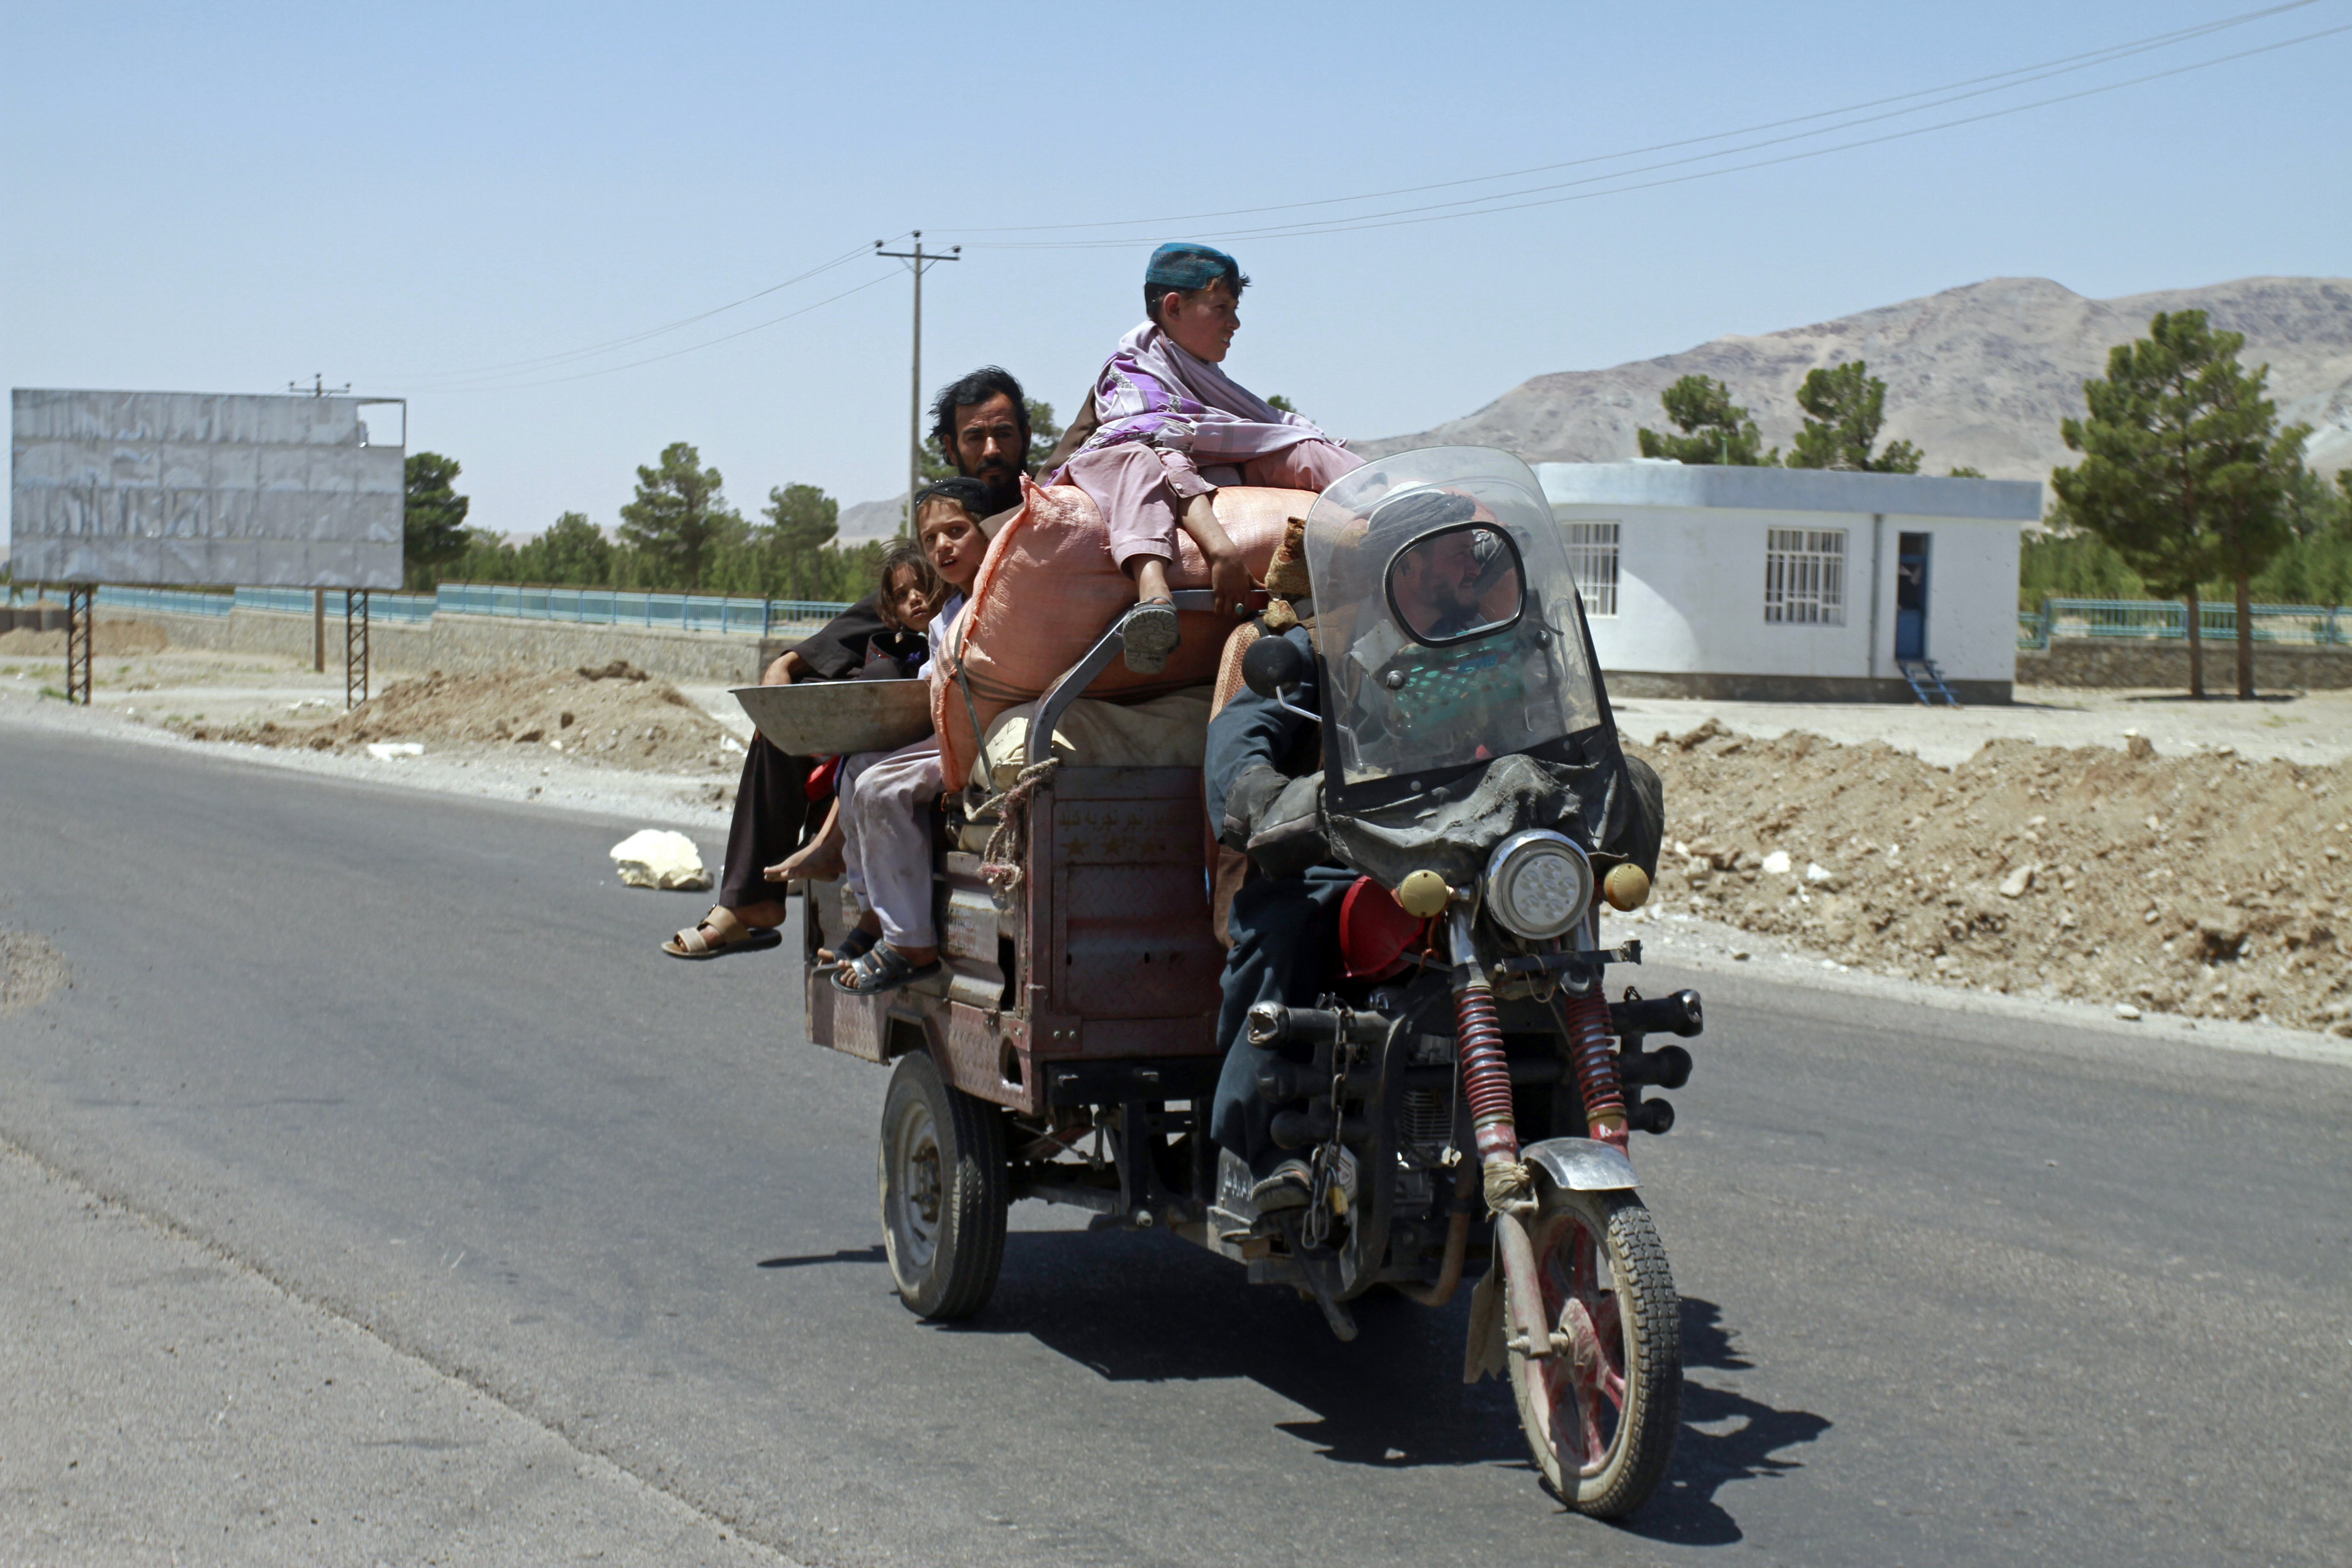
(1602, 1411)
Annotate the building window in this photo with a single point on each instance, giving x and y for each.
(1592, 557)
(1804, 576)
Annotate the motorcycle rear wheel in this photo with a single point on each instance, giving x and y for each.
(943, 1183)
(1601, 1416)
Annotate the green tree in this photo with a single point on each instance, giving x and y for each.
(573, 553)
(2184, 470)
(801, 522)
(433, 521)
(1967, 471)
(486, 558)
(1714, 428)
(1045, 433)
(1847, 406)
(679, 518)
(1278, 400)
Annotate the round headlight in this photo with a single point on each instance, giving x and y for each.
(1539, 884)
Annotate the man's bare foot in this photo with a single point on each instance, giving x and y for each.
(820, 862)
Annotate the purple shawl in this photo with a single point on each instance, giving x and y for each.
(1151, 390)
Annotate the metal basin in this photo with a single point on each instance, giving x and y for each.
(831, 718)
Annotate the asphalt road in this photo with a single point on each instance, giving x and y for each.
(1956, 1290)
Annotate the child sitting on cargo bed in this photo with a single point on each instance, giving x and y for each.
(1174, 427)
(879, 840)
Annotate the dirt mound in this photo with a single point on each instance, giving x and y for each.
(622, 723)
(112, 639)
(2205, 885)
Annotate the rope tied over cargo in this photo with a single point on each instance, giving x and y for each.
(1008, 842)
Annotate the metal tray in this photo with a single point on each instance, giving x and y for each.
(833, 718)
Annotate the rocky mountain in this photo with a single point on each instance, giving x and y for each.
(1977, 376)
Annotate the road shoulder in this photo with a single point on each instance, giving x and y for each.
(161, 1402)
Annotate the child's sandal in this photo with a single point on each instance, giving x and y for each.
(883, 969)
(1150, 635)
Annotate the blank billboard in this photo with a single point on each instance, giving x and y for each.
(199, 487)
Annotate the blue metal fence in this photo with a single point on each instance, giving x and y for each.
(600, 606)
(2317, 625)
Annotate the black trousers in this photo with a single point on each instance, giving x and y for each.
(1286, 945)
(771, 820)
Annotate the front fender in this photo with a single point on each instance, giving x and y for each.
(1582, 1164)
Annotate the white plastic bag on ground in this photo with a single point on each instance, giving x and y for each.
(655, 857)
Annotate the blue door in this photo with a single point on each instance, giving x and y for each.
(1911, 595)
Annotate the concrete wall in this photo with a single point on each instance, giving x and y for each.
(468, 644)
(2099, 661)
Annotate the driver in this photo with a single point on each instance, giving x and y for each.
(1260, 782)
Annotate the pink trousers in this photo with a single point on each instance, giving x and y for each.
(1141, 490)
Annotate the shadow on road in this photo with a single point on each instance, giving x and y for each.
(1140, 1308)
(1747, 1433)
(873, 1253)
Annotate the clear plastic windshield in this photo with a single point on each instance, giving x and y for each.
(1446, 615)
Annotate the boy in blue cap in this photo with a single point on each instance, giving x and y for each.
(1173, 428)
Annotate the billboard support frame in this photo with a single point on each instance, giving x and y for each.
(81, 636)
(355, 647)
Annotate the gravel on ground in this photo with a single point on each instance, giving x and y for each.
(2208, 886)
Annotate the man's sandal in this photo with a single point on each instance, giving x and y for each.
(1148, 635)
(856, 944)
(691, 943)
(883, 969)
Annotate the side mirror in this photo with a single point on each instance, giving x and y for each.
(1273, 665)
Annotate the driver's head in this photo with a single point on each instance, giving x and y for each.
(1436, 580)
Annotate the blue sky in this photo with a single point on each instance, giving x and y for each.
(425, 199)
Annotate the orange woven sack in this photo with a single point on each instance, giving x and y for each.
(1048, 589)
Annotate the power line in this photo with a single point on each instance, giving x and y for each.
(1405, 216)
(691, 348)
(549, 360)
(2061, 66)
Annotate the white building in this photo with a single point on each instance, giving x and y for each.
(1794, 583)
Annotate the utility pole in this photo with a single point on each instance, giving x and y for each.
(916, 259)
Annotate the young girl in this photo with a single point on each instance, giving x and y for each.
(880, 837)
(911, 594)
(1174, 427)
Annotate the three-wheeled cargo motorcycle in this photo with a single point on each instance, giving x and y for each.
(1464, 1107)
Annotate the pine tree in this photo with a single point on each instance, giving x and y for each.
(1848, 404)
(2185, 472)
(679, 518)
(1714, 428)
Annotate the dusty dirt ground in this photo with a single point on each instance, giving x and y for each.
(2208, 885)
(112, 639)
(611, 718)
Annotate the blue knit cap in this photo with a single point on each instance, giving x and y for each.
(1184, 264)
